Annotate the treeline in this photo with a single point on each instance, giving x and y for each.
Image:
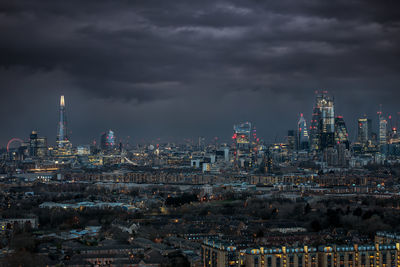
(181, 200)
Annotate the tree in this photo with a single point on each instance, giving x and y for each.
(333, 218)
(260, 233)
(307, 209)
(357, 212)
(22, 259)
(23, 242)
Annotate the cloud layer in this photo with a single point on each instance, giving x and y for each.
(175, 69)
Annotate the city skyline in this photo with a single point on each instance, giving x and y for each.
(63, 131)
(207, 133)
(146, 74)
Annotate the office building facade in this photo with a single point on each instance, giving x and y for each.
(322, 128)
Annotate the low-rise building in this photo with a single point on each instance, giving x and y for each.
(220, 254)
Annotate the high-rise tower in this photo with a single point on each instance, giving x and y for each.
(37, 145)
(108, 141)
(302, 133)
(382, 138)
(242, 135)
(323, 122)
(242, 142)
(341, 134)
(364, 131)
(62, 134)
(314, 129)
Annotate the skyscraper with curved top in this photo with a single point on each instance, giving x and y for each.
(108, 141)
(341, 134)
(302, 133)
(62, 134)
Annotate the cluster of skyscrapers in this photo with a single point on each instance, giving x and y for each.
(328, 134)
(327, 130)
(324, 138)
(37, 146)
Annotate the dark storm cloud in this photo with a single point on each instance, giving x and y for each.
(185, 68)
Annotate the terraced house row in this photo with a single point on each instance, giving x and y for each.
(219, 254)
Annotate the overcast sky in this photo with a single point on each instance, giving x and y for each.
(180, 69)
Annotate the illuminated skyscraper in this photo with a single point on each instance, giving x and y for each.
(314, 129)
(62, 135)
(302, 133)
(382, 138)
(323, 122)
(341, 134)
(364, 131)
(242, 134)
(37, 145)
(108, 141)
(242, 144)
